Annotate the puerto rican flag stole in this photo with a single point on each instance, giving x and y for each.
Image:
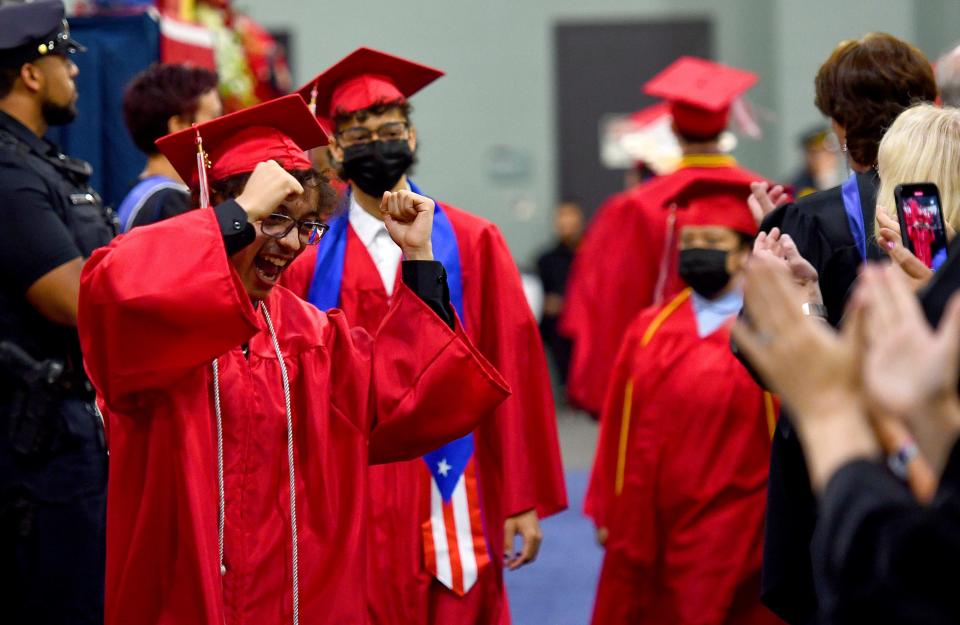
(455, 550)
(454, 545)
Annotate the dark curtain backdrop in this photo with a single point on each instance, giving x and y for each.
(117, 48)
(600, 69)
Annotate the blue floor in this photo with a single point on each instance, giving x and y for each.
(558, 588)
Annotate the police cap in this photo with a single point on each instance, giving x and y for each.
(32, 30)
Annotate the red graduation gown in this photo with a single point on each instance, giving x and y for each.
(618, 267)
(517, 451)
(679, 478)
(156, 307)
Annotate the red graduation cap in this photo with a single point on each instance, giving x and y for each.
(280, 130)
(718, 204)
(364, 78)
(650, 115)
(700, 93)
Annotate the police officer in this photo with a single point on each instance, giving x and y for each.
(53, 462)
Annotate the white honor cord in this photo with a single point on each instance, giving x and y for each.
(295, 564)
(221, 498)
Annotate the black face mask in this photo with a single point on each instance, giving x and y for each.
(705, 270)
(377, 166)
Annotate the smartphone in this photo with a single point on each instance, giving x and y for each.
(921, 222)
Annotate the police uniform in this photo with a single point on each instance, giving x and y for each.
(53, 461)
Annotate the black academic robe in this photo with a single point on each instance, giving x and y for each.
(880, 557)
(818, 224)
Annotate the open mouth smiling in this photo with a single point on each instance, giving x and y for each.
(270, 266)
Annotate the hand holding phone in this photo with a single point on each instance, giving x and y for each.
(922, 226)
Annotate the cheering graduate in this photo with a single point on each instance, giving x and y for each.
(438, 525)
(628, 259)
(679, 480)
(238, 416)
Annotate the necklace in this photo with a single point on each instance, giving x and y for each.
(221, 504)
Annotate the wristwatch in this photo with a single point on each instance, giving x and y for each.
(814, 309)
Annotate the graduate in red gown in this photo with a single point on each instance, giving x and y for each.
(679, 479)
(920, 229)
(628, 258)
(238, 416)
(441, 527)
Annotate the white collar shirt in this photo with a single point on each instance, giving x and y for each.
(373, 234)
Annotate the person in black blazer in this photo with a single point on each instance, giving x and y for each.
(862, 88)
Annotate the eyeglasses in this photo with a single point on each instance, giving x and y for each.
(278, 226)
(391, 131)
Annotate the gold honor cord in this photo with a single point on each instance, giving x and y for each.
(624, 436)
(707, 160)
(663, 315)
(771, 412)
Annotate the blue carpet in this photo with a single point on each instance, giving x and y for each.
(558, 588)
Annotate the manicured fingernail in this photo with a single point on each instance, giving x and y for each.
(891, 245)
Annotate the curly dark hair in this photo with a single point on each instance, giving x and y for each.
(160, 92)
(867, 83)
(231, 187)
(341, 118)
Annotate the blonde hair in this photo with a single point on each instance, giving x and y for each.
(922, 145)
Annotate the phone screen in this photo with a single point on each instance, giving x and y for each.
(921, 223)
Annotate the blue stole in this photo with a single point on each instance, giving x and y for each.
(854, 209)
(328, 277)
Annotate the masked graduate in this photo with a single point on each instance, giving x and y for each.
(238, 416)
(441, 527)
(638, 229)
(679, 480)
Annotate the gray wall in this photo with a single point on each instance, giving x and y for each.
(498, 88)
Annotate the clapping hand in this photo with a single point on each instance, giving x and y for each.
(764, 200)
(910, 371)
(795, 353)
(783, 248)
(815, 370)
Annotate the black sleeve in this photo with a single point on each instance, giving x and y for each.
(428, 279)
(162, 205)
(237, 232)
(880, 557)
(544, 270)
(775, 218)
(796, 219)
(786, 581)
(819, 226)
(33, 240)
(174, 203)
